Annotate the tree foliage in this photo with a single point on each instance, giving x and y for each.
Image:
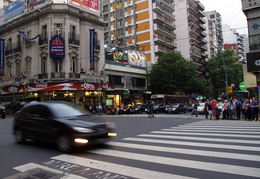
(216, 71)
(173, 73)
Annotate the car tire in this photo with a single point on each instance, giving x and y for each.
(3, 116)
(185, 111)
(64, 144)
(19, 136)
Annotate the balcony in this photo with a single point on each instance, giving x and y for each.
(43, 39)
(12, 49)
(43, 76)
(73, 39)
(57, 75)
(74, 76)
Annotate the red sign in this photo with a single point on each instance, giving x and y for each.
(87, 5)
(52, 86)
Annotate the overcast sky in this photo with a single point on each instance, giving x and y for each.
(231, 13)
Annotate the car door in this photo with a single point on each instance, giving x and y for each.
(46, 126)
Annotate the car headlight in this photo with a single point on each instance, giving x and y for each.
(174, 109)
(83, 130)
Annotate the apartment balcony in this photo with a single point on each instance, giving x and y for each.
(158, 28)
(57, 75)
(203, 34)
(192, 10)
(12, 49)
(74, 76)
(159, 49)
(74, 39)
(192, 18)
(43, 39)
(202, 27)
(202, 20)
(201, 13)
(157, 8)
(43, 76)
(159, 40)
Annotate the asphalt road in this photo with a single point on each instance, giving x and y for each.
(167, 146)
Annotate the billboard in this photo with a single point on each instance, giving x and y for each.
(34, 4)
(91, 6)
(92, 48)
(124, 55)
(2, 17)
(2, 57)
(13, 10)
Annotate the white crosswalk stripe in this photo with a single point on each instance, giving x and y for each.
(204, 144)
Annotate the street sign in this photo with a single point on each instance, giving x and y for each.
(126, 92)
(242, 86)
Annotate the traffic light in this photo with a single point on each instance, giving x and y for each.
(229, 89)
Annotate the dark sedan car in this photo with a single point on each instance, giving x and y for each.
(60, 123)
(159, 108)
(177, 108)
(139, 109)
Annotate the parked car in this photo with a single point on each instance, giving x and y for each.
(127, 109)
(158, 108)
(177, 108)
(189, 107)
(201, 108)
(139, 109)
(2, 112)
(61, 124)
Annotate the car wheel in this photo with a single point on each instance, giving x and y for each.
(185, 111)
(64, 144)
(19, 137)
(3, 116)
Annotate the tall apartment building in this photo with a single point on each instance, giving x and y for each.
(146, 26)
(190, 31)
(234, 41)
(214, 32)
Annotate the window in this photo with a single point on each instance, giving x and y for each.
(74, 65)
(44, 32)
(44, 65)
(58, 29)
(116, 80)
(140, 82)
(73, 32)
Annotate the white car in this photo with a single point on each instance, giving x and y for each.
(201, 108)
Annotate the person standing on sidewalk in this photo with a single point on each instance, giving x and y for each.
(224, 108)
(238, 108)
(230, 109)
(255, 109)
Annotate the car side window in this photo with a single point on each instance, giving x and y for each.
(38, 111)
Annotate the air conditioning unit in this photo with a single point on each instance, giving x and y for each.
(82, 70)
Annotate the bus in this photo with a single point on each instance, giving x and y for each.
(167, 99)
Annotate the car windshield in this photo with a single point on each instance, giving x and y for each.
(136, 106)
(175, 106)
(62, 110)
(201, 104)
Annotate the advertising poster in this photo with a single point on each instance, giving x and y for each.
(123, 55)
(2, 17)
(13, 10)
(34, 4)
(57, 47)
(91, 6)
(2, 57)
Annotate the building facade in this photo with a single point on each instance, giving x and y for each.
(190, 30)
(234, 41)
(56, 51)
(251, 9)
(146, 26)
(214, 33)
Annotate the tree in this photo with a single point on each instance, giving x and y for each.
(216, 71)
(173, 73)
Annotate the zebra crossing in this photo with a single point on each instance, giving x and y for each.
(201, 149)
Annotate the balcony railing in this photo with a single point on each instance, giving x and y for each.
(43, 39)
(74, 39)
(74, 75)
(57, 75)
(14, 48)
(43, 76)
